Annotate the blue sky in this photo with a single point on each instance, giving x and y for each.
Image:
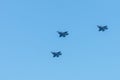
(28, 35)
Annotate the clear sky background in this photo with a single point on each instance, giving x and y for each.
(28, 35)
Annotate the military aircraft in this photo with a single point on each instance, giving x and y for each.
(63, 34)
(102, 28)
(56, 54)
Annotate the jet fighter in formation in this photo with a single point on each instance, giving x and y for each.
(56, 54)
(102, 28)
(63, 34)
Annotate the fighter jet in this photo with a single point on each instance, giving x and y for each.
(102, 28)
(56, 54)
(63, 34)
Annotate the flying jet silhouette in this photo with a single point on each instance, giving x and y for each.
(102, 28)
(56, 54)
(63, 34)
